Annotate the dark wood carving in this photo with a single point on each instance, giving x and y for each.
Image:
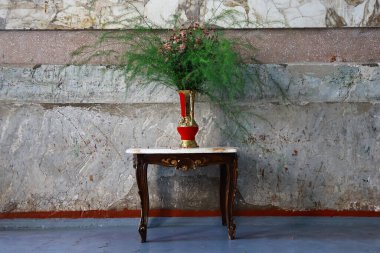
(228, 180)
(184, 164)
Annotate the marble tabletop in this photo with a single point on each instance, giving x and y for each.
(209, 150)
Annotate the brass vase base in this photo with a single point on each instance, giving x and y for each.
(189, 144)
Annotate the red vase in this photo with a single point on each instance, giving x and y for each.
(187, 127)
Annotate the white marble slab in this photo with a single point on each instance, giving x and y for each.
(112, 14)
(181, 150)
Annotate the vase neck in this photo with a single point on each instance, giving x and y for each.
(187, 98)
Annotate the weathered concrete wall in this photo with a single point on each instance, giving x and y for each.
(107, 14)
(64, 130)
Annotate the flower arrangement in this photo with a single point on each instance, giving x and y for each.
(197, 58)
(191, 57)
(180, 51)
(194, 56)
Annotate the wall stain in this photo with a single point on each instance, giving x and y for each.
(374, 19)
(242, 3)
(192, 9)
(332, 19)
(3, 23)
(372, 65)
(354, 2)
(364, 108)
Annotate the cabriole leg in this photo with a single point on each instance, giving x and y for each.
(142, 183)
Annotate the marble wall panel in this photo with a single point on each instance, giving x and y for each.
(302, 83)
(64, 131)
(115, 14)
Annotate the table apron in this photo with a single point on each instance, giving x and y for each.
(187, 161)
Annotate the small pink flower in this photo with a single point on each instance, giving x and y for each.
(182, 33)
(167, 46)
(182, 47)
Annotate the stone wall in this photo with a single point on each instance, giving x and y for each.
(313, 140)
(64, 131)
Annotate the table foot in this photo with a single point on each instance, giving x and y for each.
(142, 231)
(232, 231)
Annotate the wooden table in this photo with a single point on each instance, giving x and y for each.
(185, 160)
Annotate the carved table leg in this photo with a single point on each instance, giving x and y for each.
(231, 189)
(142, 183)
(223, 193)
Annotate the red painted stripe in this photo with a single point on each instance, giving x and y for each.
(322, 213)
(182, 100)
(182, 213)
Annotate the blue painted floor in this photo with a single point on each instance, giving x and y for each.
(259, 234)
